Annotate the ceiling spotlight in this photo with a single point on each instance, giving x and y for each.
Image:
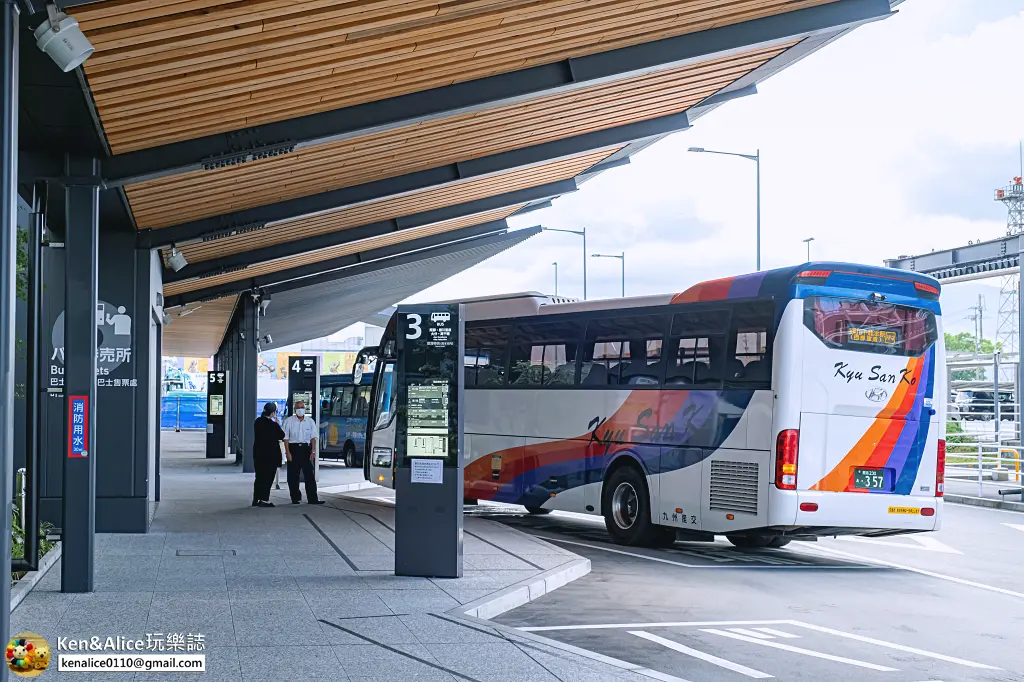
(167, 318)
(189, 311)
(61, 38)
(177, 259)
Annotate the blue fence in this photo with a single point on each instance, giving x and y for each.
(189, 411)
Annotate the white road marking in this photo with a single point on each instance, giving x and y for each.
(1018, 526)
(751, 633)
(805, 652)
(714, 660)
(659, 560)
(925, 543)
(898, 647)
(921, 571)
(777, 633)
(640, 626)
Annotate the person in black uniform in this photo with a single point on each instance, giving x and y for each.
(266, 454)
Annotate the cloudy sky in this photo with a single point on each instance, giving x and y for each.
(887, 142)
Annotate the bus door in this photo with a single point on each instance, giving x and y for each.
(869, 405)
(381, 427)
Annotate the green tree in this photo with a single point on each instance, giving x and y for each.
(964, 343)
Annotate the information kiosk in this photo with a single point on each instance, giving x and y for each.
(216, 415)
(428, 480)
(304, 385)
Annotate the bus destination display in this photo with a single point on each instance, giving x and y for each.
(427, 421)
(873, 336)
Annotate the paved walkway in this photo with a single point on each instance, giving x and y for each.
(306, 593)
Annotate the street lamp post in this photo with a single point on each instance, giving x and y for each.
(756, 158)
(808, 242)
(581, 233)
(622, 258)
(556, 278)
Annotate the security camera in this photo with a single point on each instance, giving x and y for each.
(264, 304)
(61, 38)
(267, 339)
(177, 259)
(167, 319)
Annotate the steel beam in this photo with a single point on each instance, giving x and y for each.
(81, 252)
(240, 146)
(277, 279)
(993, 256)
(369, 230)
(9, 30)
(256, 218)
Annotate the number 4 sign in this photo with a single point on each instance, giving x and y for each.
(78, 426)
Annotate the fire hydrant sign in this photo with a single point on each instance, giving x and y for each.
(78, 426)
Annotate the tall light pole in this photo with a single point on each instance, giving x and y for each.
(581, 233)
(622, 258)
(556, 277)
(808, 242)
(756, 158)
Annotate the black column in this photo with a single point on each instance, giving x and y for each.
(8, 265)
(80, 298)
(248, 363)
(159, 360)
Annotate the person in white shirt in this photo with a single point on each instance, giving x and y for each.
(300, 434)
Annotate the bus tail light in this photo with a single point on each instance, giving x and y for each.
(927, 511)
(786, 454)
(927, 291)
(808, 506)
(940, 469)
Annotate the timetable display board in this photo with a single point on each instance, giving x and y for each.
(428, 443)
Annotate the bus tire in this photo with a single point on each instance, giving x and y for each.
(349, 455)
(779, 541)
(627, 509)
(752, 541)
(539, 511)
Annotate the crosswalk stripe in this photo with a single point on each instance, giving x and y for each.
(751, 633)
(777, 633)
(805, 652)
(714, 660)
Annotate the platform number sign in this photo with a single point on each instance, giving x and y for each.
(78, 426)
(415, 330)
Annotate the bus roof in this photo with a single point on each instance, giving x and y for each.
(777, 284)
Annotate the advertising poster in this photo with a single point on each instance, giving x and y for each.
(337, 363)
(282, 365)
(267, 364)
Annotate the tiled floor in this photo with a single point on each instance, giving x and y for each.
(276, 601)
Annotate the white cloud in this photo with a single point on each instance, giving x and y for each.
(848, 138)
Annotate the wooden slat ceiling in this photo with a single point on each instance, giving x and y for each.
(168, 70)
(198, 334)
(199, 194)
(320, 255)
(393, 207)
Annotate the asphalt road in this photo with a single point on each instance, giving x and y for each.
(946, 606)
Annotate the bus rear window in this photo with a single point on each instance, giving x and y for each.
(870, 327)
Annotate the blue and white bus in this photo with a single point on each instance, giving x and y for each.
(343, 410)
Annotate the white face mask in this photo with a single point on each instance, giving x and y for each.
(301, 412)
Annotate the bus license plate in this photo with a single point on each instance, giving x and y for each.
(871, 479)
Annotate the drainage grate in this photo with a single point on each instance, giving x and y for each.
(205, 552)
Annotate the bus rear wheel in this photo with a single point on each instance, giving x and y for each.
(540, 511)
(627, 511)
(350, 455)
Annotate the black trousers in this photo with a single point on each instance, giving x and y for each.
(266, 472)
(302, 460)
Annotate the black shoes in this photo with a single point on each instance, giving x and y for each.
(318, 502)
(296, 501)
(264, 504)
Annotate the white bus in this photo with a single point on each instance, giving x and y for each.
(781, 405)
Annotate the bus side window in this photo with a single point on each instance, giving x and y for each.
(361, 402)
(624, 351)
(749, 362)
(486, 355)
(335, 401)
(345, 404)
(697, 348)
(544, 354)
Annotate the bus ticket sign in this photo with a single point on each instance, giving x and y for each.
(873, 336)
(78, 426)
